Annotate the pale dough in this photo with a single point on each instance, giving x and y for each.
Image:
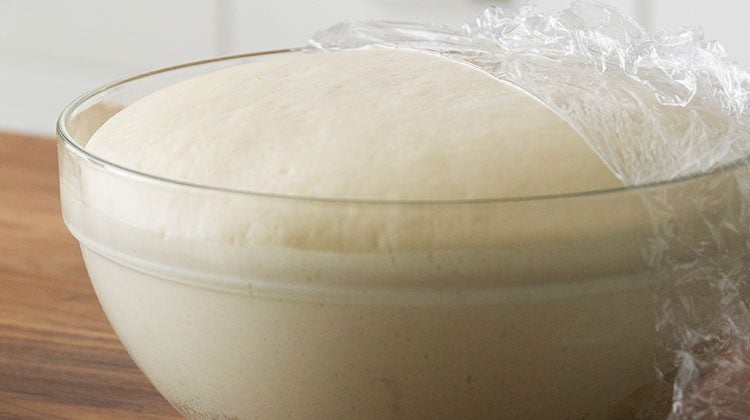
(365, 124)
(529, 308)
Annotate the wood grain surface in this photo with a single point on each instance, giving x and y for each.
(59, 358)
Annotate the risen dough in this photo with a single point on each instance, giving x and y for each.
(527, 308)
(367, 124)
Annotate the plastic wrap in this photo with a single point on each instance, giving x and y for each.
(655, 108)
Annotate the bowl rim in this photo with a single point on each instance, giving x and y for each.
(67, 141)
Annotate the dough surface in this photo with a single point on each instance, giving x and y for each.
(366, 124)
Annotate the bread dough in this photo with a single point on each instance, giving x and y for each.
(342, 309)
(377, 123)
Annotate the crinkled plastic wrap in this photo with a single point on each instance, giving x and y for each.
(656, 108)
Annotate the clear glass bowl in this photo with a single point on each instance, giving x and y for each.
(241, 304)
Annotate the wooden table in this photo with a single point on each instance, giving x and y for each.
(59, 358)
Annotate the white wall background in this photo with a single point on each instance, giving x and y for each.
(51, 51)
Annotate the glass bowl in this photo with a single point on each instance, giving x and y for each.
(238, 304)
